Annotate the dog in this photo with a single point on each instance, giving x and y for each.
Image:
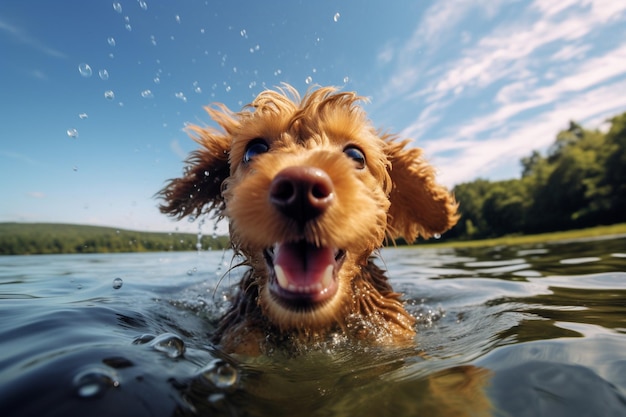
(311, 191)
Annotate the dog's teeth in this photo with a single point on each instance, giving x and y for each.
(327, 280)
(283, 282)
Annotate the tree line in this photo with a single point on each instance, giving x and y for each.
(579, 182)
(46, 238)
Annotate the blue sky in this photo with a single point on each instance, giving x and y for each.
(477, 84)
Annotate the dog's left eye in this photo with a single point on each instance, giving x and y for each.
(355, 154)
(254, 148)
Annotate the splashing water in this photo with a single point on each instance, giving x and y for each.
(170, 344)
(221, 374)
(72, 133)
(85, 70)
(94, 381)
(117, 283)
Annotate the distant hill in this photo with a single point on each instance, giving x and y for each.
(53, 238)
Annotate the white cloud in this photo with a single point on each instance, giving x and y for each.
(20, 36)
(477, 158)
(521, 83)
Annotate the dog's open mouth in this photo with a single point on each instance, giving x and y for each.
(303, 275)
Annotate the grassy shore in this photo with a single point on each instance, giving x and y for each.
(592, 232)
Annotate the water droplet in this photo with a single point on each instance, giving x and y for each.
(180, 96)
(243, 33)
(346, 80)
(308, 80)
(336, 17)
(75, 168)
(72, 133)
(85, 70)
(157, 80)
(128, 27)
(170, 344)
(94, 381)
(111, 41)
(103, 74)
(109, 95)
(221, 374)
(117, 283)
(143, 339)
(147, 94)
(143, 5)
(117, 6)
(177, 19)
(83, 116)
(153, 40)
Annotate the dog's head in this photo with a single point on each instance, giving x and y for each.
(310, 189)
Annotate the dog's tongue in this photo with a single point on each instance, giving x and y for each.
(303, 268)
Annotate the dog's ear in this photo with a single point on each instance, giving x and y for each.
(419, 206)
(199, 190)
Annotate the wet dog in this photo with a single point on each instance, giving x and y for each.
(311, 190)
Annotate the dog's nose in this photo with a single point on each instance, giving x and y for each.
(302, 193)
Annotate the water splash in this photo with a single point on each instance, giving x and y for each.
(143, 339)
(221, 374)
(82, 116)
(117, 6)
(85, 70)
(143, 5)
(111, 41)
(308, 80)
(170, 344)
(72, 133)
(336, 17)
(109, 95)
(117, 283)
(95, 381)
(103, 74)
(147, 94)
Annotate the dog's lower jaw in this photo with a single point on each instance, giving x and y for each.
(303, 288)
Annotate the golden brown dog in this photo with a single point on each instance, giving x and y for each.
(311, 190)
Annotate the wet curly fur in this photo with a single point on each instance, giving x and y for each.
(374, 188)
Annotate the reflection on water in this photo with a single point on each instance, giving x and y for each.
(505, 331)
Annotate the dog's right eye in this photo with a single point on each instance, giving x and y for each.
(355, 154)
(254, 148)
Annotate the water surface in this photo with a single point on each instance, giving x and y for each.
(506, 331)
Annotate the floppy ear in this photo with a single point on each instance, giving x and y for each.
(419, 206)
(199, 190)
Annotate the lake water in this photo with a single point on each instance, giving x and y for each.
(507, 331)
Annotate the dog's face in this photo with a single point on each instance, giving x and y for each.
(310, 190)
